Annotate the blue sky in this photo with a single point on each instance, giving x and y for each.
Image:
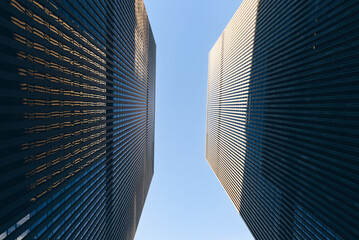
(186, 200)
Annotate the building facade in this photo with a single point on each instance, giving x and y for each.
(282, 117)
(77, 118)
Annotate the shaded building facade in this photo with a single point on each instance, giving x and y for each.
(282, 117)
(77, 118)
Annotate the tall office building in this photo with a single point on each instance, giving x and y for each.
(282, 117)
(77, 118)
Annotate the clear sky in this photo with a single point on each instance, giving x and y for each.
(186, 200)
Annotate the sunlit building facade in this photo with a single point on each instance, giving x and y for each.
(282, 117)
(77, 118)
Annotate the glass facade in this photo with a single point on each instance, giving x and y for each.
(282, 115)
(77, 118)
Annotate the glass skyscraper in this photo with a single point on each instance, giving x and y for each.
(282, 117)
(77, 118)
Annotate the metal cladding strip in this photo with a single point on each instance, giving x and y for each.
(282, 111)
(77, 118)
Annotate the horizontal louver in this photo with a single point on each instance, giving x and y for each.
(282, 117)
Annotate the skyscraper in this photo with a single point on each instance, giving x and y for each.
(77, 118)
(282, 117)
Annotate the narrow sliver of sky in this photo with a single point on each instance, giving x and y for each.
(186, 201)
